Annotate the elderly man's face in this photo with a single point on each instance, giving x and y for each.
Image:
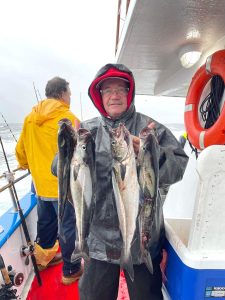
(114, 97)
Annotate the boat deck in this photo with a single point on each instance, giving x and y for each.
(52, 288)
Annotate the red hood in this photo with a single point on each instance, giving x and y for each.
(111, 71)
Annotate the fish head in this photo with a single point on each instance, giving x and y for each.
(146, 135)
(148, 141)
(66, 134)
(85, 145)
(119, 142)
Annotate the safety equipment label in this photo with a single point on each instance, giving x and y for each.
(215, 291)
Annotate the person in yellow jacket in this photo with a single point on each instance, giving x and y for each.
(183, 139)
(35, 150)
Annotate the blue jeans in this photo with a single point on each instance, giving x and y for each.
(47, 231)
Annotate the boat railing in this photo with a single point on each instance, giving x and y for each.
(10, 177)
(27, 249)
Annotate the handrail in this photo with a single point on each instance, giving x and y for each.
(22, 218)
(14, 181)
(13, 171)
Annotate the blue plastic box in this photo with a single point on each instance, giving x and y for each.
(192, 276)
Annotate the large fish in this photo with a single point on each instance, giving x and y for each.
(148, 170)
(82, 180)
(66, 143)
(126, 190)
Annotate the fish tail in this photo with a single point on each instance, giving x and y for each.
(78, 255)
(147, 260)
(126, 263)
(81, 251)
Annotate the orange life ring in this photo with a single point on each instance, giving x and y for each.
(198, 136)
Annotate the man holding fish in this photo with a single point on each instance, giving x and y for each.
(135, 156)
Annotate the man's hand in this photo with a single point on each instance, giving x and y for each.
(76, 124)
(151, 125)
(136, 140)
(136, 144)
(21, 168)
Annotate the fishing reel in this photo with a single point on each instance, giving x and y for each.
(16, 278)
(7, 293)
(26, 251)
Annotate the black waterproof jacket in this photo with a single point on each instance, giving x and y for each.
(105, 239)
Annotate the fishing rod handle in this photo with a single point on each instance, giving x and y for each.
(5, 273)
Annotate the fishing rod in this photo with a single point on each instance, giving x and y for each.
(8, 127)
(23, 222)
(39, 94)
(81, 109)
(35, 92)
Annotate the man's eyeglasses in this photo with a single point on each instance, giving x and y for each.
(109, 92)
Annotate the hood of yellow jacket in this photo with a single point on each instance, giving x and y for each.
(47, 109)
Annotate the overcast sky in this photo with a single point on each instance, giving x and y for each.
(71, 39)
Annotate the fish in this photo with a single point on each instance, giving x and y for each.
(82, 184)
(67, 140)
(148, 174)
(126, 191)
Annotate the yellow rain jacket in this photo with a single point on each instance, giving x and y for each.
(37, 144)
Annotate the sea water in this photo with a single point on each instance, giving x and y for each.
(9, 134)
